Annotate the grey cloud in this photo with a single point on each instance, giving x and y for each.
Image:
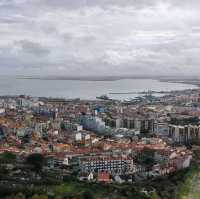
(10, 20)
(82, 38)
(33, 48)
(100, 36)
(104, 3)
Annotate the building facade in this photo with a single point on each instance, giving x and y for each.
(187, 134)
(113, 165)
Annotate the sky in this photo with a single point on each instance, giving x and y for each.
(100, 37)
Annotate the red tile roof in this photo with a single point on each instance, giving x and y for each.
(103, 177)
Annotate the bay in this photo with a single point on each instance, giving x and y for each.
(85, 89)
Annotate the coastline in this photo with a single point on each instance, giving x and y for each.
(183, 80)
(188, 82)
(62, 89)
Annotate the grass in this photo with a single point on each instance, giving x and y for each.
(78, 187)
(99, 191)
(191, 186)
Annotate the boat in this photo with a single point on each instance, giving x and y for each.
(103, 97)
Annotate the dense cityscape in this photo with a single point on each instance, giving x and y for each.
(51, 146)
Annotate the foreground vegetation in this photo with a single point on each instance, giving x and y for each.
(190, 188)
(33, 182)
(162, 187)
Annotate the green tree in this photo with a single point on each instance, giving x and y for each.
(58, 197)
(88, 195)
(8, 157)
(62, 126)
(39, 197)
(36, 160)
(19, 196)
(147, 158)
(154, 195)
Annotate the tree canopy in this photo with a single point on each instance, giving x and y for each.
(36, 160)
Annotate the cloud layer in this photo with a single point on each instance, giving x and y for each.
(100, 37)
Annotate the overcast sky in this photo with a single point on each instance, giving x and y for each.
(100, 37)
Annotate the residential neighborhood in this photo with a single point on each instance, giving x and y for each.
(99, 141)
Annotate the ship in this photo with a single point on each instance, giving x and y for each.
(103, 97)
